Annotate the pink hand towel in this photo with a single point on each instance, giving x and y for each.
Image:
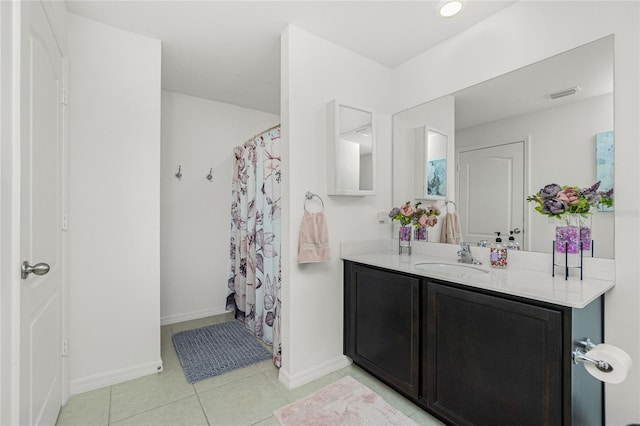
(313, 244)
(451, 231)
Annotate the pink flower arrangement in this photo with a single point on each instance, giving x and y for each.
(418, 216)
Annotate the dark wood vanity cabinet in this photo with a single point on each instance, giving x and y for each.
(491, 361)
(382, 322)
(468, 356)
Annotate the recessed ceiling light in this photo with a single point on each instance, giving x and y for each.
(448, 9)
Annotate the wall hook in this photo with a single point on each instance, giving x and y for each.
(179, 174)
(210, 175)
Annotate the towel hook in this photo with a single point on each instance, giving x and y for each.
(210, 175)
(308, 196)
(179, 174)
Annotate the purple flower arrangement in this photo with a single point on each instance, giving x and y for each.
(567, 202)
(555, 200)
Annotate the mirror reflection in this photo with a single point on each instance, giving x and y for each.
(511, 136)
(430, 165)
(351, 151)
(355, 150)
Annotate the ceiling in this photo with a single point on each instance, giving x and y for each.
(588, 67)
(229, 51)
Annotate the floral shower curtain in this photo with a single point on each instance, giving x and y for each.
(254, 275)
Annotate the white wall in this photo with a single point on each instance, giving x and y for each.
(527, 32)
(200, 135)
(114, 219)
(314, 72)
(563, 151)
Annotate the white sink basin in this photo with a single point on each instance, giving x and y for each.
(451, 268)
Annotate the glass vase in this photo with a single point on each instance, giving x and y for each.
(573, 241)
(405, 238)
(420, 234)
(577, 230)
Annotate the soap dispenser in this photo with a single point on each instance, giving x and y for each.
(513, 244)
(498, 253)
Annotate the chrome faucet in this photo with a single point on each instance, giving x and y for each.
(466, 256)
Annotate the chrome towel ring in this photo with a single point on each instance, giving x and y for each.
(309, 196)
(455, 208)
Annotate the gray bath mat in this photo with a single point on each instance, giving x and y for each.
(210, 351)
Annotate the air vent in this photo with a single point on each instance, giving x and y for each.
(563, 93)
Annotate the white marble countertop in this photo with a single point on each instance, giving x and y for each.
(527, 283)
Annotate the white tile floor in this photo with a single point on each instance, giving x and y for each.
(247, 396)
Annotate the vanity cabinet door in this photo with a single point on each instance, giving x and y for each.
(491, 360)
(381, 325)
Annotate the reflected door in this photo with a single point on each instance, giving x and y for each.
(491, 192)
(41, 204)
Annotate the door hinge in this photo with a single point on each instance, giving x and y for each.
(64, 97)
(65, 347)
(65, 222)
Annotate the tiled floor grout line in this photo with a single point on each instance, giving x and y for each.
(251, 375)
(150, 409)
(277, 390)
(204, 412)
(110, 399)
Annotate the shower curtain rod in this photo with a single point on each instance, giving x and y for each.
(248, 141)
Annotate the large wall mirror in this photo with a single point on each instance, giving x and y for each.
(512, 135)
(351, 150)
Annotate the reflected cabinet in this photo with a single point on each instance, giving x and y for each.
(430, 164)
(351, 150)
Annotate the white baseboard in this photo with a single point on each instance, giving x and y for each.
(109, 378)
(311, 374)
(172, 319)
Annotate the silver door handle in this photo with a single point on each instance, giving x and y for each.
(38, 269)
(516, 231)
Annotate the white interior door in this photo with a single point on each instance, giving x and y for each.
(41, 218)
(491, 192)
